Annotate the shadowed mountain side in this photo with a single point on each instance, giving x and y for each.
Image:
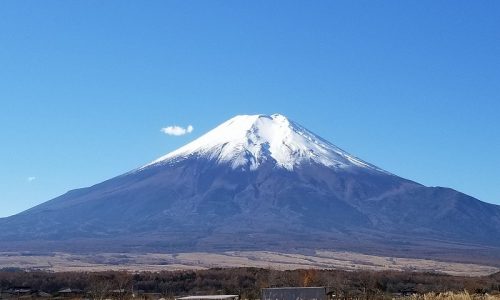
(201, 206)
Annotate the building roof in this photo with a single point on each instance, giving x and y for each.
(294, 287)
(69, 290)
(208, 297)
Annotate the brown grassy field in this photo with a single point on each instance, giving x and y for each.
(452, 296)
(60, 262)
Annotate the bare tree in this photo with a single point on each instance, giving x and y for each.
(123, 284)
(99, 287)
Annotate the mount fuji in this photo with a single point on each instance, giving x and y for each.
(259, 182)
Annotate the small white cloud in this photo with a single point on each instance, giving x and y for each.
(177, 130)
(31, 178)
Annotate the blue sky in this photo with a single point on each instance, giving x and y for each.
(85, 86)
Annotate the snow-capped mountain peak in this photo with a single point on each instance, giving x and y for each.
(247, 141)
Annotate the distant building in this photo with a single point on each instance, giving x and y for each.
(42, 294)
(294, 293)
(70, 292)
(16, 293)
(210, 297)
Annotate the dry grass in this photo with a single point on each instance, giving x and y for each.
(453, 296)
(260, 259)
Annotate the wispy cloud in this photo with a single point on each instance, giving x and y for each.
(31, 178)
(177, 130)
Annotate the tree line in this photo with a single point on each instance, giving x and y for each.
(246, 282)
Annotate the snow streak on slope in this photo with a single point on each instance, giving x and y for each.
(247, 141)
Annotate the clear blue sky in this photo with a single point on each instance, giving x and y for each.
(85, 86)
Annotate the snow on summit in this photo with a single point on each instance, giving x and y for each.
(247, 141)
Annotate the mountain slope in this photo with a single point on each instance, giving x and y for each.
(259, 182)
